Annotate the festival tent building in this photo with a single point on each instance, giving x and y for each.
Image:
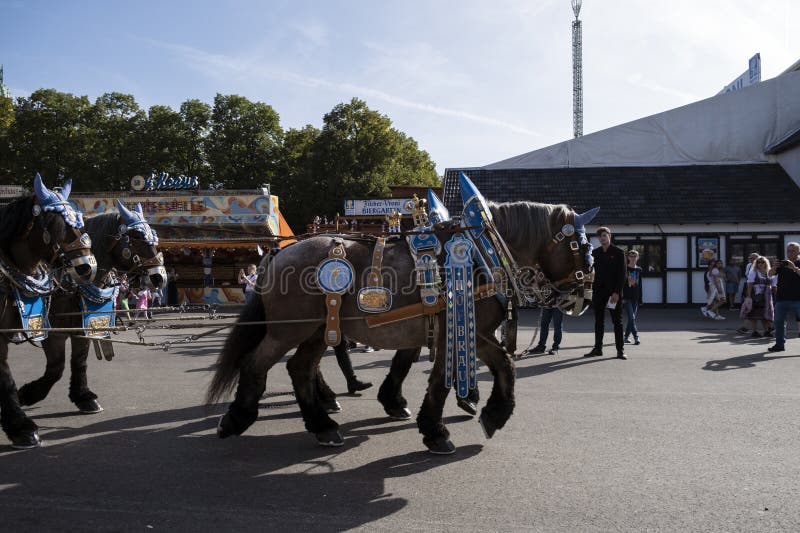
(719, 178)
(207, 236)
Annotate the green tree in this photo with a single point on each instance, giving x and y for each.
(196, 116)
(162, 141)
(51, 134)
(7, 117)
(243, 147)
(296, 184)
(118, 152)
(359, 154)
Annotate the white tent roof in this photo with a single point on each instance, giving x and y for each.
(735, 127)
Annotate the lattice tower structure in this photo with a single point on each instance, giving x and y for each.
(577, 71)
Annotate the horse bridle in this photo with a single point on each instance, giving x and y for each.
(81, 243)
(146, 267)
(569, 292)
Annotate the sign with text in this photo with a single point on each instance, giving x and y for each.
(164, 182)
(376, 207)
(751, 76)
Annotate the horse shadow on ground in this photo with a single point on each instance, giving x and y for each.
(167, 469)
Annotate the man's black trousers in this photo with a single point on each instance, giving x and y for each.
(599, 302)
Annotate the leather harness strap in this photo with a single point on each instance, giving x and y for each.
(417, 310)
(333, 301)
(374, 279)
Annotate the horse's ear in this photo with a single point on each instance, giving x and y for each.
(126, 215)
(139, 209)
(66, 189)
(584, 218)
(39, 188)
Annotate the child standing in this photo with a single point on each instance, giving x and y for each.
(142, 300)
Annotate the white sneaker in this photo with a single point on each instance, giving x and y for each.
(368, 349)
(704, 310)
(719, 317)
(711, 314)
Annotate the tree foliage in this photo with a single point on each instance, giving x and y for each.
(236, 143)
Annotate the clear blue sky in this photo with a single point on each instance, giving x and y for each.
(472, 81)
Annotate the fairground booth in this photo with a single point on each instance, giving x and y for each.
(207, 236)
(372, 216)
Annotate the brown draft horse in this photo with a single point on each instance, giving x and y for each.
(295, 308)
(34, 233)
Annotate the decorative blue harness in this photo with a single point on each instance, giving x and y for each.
(461, 344)
(97, 306)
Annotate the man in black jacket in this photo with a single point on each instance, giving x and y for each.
(609, 279)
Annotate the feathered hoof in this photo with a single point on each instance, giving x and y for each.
(398, 413)
(467, 406)
(441, 446)
(225, 428)
(332, 407)
(89, 407)
(331, 438)
(487, 425)
(25, 441)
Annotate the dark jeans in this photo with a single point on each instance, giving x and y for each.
(631, 307)
(557, 317)
(599, 302)
(782, 310)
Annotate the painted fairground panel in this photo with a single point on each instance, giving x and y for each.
(211, 295)
(249, 213)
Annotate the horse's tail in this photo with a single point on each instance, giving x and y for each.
(238, 347)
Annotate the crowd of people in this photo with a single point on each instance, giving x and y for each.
(767, 293)
(138, 299)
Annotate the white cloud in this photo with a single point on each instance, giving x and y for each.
(223, 66)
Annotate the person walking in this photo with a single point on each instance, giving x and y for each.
(142, 301)
(554, 315)
(715, 291)
(632, 297)
(122, 297)
(787, 297)
(609, 279)
(732, 276)
(346, 366)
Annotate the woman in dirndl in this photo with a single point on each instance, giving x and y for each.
(758, 304)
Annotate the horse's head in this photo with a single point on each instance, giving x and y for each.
(137, 247)
(54, 233)
(550, 246)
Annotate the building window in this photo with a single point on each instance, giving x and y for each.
(651, 255)
(739, 251)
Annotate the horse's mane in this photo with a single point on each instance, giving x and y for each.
(100, 227)
(525, 226)
(14, 220)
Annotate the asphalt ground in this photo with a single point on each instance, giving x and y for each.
(697, 431)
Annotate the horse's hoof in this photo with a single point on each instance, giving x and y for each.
(331, 438)
(332, 407)
(225, 428)
(441, 446)
(487, 426)
(89, 407)
(399, 413)
(25, 441)
(467, 406)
